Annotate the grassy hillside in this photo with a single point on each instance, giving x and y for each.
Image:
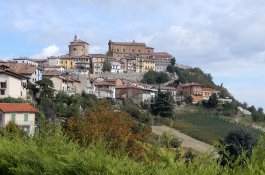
(198, 76)
(204, 124)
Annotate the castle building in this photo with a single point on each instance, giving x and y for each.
(120, 50)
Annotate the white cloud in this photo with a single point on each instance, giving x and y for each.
(51, 50)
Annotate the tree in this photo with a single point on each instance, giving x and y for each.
(245, 105)
(237, 141)
(173, 61)
(101, 123)
(162, 77)
(106, 66)
(170, 68)
(149, 77)
(13, 130)
(252, 109)
(46, 88)
(152, 77)
(212, 102)
(260, 110)
(163, 105)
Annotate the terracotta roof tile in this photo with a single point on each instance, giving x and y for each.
(20, 68)
(17, 107)
(52, 73)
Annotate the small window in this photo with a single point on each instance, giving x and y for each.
(74, 48)
(26, 117)
(118, 50)
(13, 117)
(123, 50)
(139, 50)
(3, 84)
(132, 50)
(2, 92)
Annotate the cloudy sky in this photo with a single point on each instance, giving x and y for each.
(224, 38)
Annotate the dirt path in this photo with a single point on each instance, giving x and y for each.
(187, 141)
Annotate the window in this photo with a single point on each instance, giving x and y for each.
(118, 50)
(2, 92)
(13, 117)
(123, 50)
(26, 117)
(74, 48)
(132, 50)
(3, 84)
(139, 50)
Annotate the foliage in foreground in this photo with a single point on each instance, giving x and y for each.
(52, 153)
(117, 129)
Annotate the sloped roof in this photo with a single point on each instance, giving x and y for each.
(128, 43)
(162, 55)
(17, 107)
(103, 83)
(20, 68)
(51, 73)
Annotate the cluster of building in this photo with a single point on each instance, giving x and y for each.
(79, 71)
(123, 57)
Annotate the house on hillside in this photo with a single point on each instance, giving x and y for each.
(207, 92)
(137, 94)
(25, 61)
(190, 89)
(33, 72)
(23, 114)
(12, 84)
(66, 84)
(104, 89)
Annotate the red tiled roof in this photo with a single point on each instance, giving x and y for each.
(52, 73)
(21, 68)
(17, 107)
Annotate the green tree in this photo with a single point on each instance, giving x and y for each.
(170, 68)
(106, 66)
(13, 130)
(162, 77)
(212, 102)
(235, 143)
(152, 77)
(149, 77)
(173, 61)
(163, 105)
(46, 88)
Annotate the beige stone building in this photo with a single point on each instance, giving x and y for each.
(78, 48)
(23, 114)
(121, 50)
(78, 52)
(145, 65)
(12, 84)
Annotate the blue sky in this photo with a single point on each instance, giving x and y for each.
(224, 38)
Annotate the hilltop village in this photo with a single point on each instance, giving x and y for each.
(114, 75)
(84, 112)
